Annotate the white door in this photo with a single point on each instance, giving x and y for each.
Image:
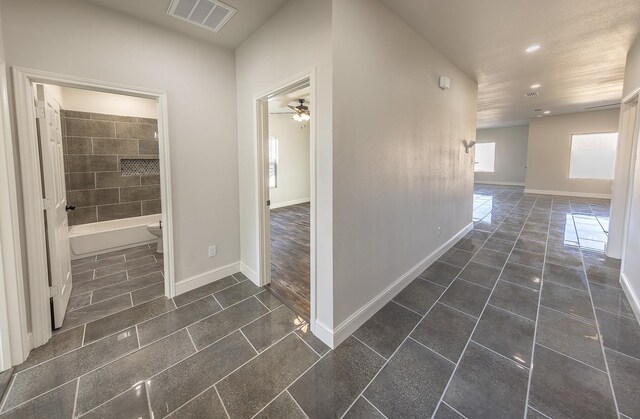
(55, 196)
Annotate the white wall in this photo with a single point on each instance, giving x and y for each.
(549, 152)
(271, 56)
(623, 158)
(293, 161)
(511, 155)
(631, 263)
(400, 169)
(79, 39)
(108, 103)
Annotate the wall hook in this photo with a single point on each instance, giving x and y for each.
(468, 145)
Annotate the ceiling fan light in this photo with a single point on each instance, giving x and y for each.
(305, 117)
(297, 117)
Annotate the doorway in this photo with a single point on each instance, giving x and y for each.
(286, 172)
(95, 168)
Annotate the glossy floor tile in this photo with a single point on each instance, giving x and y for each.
(523, 317)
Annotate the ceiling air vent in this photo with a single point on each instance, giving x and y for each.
(531, 94)
(208, 14)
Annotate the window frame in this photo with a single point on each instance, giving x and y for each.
(571, 140)
(273, 162)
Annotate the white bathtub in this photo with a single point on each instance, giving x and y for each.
(106, 236)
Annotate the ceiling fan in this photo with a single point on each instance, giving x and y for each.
(300, 112)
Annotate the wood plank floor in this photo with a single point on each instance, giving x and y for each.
(290, 255)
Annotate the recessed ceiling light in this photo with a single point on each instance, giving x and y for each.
(535, 86)
(533, 48)
(539, 116)
(547, 112)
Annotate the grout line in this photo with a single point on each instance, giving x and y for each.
(449, 406)
(570, 357)
(626, 316)
(304, 341)
(510, 312)
(286, 390)
(620, 353)
(473, 283)
(373, 405)
(485, 306)
(6, 394)
(535, 329)
(571, 316)
(521, 286)
(595, 317)
(405, 307)
(247, 339)
(457, 309)
(499, 354)
(138, 337)
(75, 399)
(265, 306)
(191, 338)
(373, 350)
(219, 398)
(434, 283)
(147, 389)
(537, 411)
(431, 350)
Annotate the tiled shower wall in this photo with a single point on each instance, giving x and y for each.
(94, 145)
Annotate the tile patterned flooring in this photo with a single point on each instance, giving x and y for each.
(524, 317)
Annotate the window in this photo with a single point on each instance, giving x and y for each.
(273, 162)
(593, 156)
(485, 157)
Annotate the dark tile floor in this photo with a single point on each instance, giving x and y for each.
(524, 317)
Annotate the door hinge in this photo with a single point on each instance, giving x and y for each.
(268, 202)
(40, 113)
(54, 291)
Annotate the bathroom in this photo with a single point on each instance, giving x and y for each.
(111, 163)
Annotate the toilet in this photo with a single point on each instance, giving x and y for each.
(156, 230)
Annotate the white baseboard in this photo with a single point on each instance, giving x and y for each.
(567, 193)
(250, 273)
(206, 278)
(495, 182)
(357, 319)
(288, 203)
(324, 333)
(633, 298)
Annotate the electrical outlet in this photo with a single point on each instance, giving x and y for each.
(213, 250)
(438, 231)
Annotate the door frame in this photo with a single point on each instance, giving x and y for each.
(261, 136)
(632, 99)
(23, 79)
(14, 341)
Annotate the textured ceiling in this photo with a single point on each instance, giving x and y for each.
(580, 63)
(250, 16)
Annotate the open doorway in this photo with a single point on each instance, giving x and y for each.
(95, 168)
(289, 198)
(285, 164)
(100, 164)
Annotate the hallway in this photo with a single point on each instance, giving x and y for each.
(527, 287)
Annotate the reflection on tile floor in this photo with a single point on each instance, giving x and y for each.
(524, 317)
